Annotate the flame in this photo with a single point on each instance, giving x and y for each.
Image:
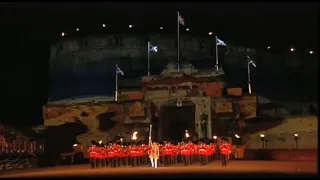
(134, 135)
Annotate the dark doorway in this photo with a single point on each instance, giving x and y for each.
(175, 120)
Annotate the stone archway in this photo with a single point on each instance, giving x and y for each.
(175, 119)
(202, 106)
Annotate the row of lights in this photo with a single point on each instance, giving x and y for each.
(105, 25)
(187, 29)
(293, 50)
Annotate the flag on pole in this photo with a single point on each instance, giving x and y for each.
(153, 48)
(180, 18)
(119, 71)
(220, 43)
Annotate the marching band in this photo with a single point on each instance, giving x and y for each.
(115, 155)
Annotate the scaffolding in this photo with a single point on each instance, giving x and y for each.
(17, 151)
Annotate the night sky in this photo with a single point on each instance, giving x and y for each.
(28, 30)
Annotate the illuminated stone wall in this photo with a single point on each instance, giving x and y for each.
(281, 137)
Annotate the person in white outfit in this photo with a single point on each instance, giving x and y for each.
(154, 155)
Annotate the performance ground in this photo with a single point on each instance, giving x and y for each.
(235, 168)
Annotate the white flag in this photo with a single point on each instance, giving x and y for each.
(180, 19)
(153, 48)
(220, 42)
(119, 71)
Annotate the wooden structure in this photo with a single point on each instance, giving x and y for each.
(13, 142)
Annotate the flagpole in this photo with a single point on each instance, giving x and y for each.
(249, 77)
(217, 55)
(148, 58)
(116, 90)
(150, 134)
(178, 42)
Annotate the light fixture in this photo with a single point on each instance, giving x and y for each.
(104, 25)
(63, 34)
(161, 27)
(268, 47)
(292, 49)
(210, 33)
(296, 137)
(262, 140)
(214, 137)
(75, 145)
(179, 103)
(237, 136)
(311, 52)
(130, 26)
(78, 29)
(187, 29)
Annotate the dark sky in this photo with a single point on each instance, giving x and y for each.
(28, 29)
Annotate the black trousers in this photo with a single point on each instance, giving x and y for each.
(224, 159)
(167, 160)
(203, 159)
(186, 160)
(93, 162)
(134, 161)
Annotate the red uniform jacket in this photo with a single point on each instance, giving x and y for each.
(185, 152)
(224, 150)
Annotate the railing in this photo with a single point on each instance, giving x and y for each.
(20, 146)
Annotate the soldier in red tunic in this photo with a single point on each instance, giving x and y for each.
(101, 156)
(185, 154)
(126, 155)
(224, 154)
(111, 157)
(116, 152)
(106, 157)
(228, 146)
(92, 156)
(133, 156)
(203, 154)
(167, 154)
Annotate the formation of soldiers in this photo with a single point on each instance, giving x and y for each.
(115, 155)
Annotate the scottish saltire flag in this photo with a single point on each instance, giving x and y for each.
(220, 42)
(180, 19)
(119, 71)
(153, 48)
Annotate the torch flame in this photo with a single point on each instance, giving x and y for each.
(134, 135)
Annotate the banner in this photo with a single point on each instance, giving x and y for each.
(133, 95)
(136, 109)
(223, 107)
(234, 91)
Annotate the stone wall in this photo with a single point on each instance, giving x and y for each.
(281, 137)
(86, 66)
(282, 155)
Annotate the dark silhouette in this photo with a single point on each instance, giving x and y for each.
(107, 120)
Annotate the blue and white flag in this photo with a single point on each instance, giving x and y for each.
(119, 71)
(220, 42)
(153, 48)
